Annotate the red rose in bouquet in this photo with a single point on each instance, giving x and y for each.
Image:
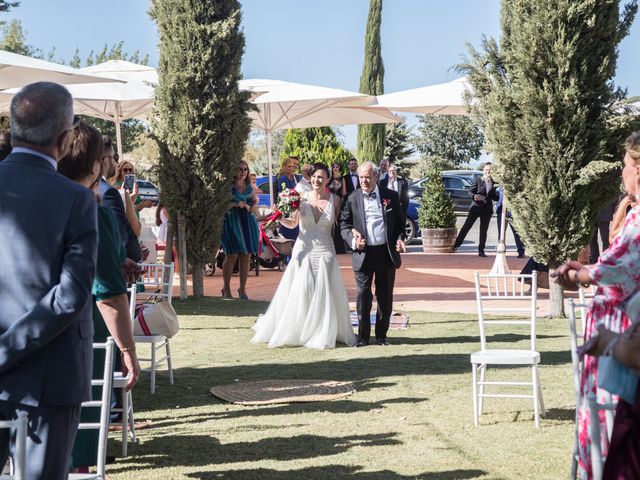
(287, 204)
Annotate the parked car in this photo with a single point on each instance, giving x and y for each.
(148, 191)
(469, 175)
(457, 187)
(263, 185)
(411, 229)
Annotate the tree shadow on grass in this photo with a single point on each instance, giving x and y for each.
(561, 414)
(472, 339)
(224, 308)
(331, 472)
(198, 450)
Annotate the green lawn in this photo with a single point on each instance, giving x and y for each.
(409, 419)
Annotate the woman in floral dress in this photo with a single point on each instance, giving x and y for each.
(617, 275)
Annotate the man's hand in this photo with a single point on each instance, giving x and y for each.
(131, 271)
(400, 246)
(145, 252)
(360, 240)
(131, 365)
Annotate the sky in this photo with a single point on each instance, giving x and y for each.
(306, 41)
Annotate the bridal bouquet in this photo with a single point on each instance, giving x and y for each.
(287, 204)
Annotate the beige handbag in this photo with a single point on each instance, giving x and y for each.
(156, 319)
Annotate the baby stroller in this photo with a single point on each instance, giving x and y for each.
(274, 248)
(210, 268)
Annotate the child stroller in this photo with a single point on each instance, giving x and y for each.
(274, 248)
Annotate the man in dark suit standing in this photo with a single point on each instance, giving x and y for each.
(48, 233)
(484, 193)
(112, 200)
(398, 185)
(350, 181)
(372, 223)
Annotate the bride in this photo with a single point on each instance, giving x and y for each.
(310, 306)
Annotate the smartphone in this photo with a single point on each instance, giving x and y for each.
(129, 182)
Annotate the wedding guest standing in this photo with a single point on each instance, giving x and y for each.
(49, 237)
(350, 181)
(398, 185)
(239, 232)
(615, 275)
(335, 187)
(484, 193)
(287, 178)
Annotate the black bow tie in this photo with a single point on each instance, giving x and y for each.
(354, 174)
(371, 195)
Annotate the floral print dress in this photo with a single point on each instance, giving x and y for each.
(617, 275)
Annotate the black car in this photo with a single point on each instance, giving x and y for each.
(457, 187)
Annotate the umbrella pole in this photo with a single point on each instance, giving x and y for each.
(500, 264)
(118, 135)
(270, 160)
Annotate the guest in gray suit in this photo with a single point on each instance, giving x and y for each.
(48, 233)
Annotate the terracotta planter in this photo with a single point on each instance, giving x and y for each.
(438, 240)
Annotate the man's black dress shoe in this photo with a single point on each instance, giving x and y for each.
(362, 343)
(482, 254)
(383, 341)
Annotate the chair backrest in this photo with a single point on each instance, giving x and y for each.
(104, 404)
(19, 460)
(506, 293)
(157, 276)
(585, 295)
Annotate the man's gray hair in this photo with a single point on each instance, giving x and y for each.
(40, 112)
(368, 164)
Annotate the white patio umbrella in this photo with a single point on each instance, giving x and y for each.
(283, 105)
(443, 98)
(19, 70)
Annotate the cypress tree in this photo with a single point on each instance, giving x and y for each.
(371, 138)
(202, 117)
(546, 101)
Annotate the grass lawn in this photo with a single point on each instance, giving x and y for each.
(410, 417)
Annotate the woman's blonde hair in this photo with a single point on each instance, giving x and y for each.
(632, 146)
(121, 165)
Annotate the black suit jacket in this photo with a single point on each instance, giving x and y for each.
(480, 188)
(349, 183)
(352, 216)
(403, 192)
(113, 201)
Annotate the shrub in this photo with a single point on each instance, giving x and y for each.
(437, 210)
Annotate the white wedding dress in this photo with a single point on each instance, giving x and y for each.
(310, 306)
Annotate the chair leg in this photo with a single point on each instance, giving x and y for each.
(169, 361)
(153, 368)
(125, 421)
(543, 412)
(536, 397)
(483, 369)
(132, 422)
(474, 375)
(596, 439)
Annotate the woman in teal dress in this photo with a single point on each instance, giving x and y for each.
(111, 306)
(239, 232)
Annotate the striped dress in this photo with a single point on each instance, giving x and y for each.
(240, 229)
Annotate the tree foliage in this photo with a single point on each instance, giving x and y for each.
(455, 138)
(202, 116)
(437, 210)
(255, 153)
(371, 138)
(318, 144)
(398, 147)
(546, 100)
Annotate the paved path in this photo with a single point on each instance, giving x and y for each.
(427, 282)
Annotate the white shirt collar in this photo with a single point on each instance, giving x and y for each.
(375, 190)
(49, 159)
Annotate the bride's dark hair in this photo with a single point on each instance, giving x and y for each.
(319, 166)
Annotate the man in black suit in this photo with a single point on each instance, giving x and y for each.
(112, 200)
(350, 181)
(398, 185)
(372, 223)
(484, 193)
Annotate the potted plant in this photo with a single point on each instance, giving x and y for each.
(436, 215)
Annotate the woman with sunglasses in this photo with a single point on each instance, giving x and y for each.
(335, 187)
(110, 303)
(239, 232)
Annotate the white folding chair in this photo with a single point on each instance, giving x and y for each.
(157, 279)
(120, 382)
(585, 295)
(17, 468)
(597, 458)
(104, 404)
(506, 289)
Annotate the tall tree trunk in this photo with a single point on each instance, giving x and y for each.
(197, 278)
(168, 248)
(182, 254)
(556, 300)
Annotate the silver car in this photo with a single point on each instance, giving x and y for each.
(148, 191)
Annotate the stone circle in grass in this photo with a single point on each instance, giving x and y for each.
(264, 392)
